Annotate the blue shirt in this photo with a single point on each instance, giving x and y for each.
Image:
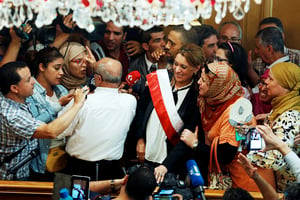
(17, 126)
(42, 110)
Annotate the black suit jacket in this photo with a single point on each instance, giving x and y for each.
(140, 65)
(189, 114)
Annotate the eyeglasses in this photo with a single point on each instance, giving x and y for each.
(79, 61)
(233, 39)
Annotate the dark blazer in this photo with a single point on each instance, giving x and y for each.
(140, 65)
(189, 114)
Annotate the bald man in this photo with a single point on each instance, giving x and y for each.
(230, 31)
(98, 132)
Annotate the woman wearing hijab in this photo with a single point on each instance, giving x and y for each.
(219, 89)
(77, 59)
(283, 84)
(235, 56)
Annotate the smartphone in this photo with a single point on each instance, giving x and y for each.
(80, 187)
(164, 195)
(255, 140)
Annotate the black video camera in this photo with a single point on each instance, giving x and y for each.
(172, 184)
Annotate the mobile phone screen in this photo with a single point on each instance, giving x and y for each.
(80, 187)
(164, 195)
(256, 141)
(166, 192)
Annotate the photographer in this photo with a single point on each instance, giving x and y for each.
(35, 39)
(54, 36)
(13, 48)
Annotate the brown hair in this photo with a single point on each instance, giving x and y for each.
(193, 54)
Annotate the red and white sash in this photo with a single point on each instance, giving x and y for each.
(162, 98)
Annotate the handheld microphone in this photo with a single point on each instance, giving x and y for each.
(131, 79)
(196, 179)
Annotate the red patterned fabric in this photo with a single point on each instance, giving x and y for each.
(224, 89)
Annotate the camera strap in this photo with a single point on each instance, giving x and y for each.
(11, 156)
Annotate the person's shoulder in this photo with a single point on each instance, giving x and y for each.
(294, 56)
(129, 98)
(293, 51)
(61, 89)
(135, 63)
(291, 114)
(257, 61)
(11, 109)
(7, 103)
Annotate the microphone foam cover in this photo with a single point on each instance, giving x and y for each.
(133, 77)
(194, 173)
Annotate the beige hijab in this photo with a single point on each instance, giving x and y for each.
(70, 51)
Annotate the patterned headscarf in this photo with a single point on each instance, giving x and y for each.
(70, 51)
(224, 89)
(288, 76)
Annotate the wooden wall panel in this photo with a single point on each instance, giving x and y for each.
(287, 11)
(249, 24)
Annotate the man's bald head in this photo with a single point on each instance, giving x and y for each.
(110, 70)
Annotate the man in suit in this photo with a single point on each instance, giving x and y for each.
(151, 39)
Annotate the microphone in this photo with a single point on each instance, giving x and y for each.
(131, 79)
(196, 179)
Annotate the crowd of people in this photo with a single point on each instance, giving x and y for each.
(70, 94)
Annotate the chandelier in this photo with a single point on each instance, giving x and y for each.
(141, 13)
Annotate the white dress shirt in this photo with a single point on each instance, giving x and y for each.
(99, 130)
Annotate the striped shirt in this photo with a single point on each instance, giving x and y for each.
(17, 127)
(259, 65)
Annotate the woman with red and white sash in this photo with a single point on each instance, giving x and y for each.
(172, 108)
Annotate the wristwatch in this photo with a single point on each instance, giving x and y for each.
(195, 144)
